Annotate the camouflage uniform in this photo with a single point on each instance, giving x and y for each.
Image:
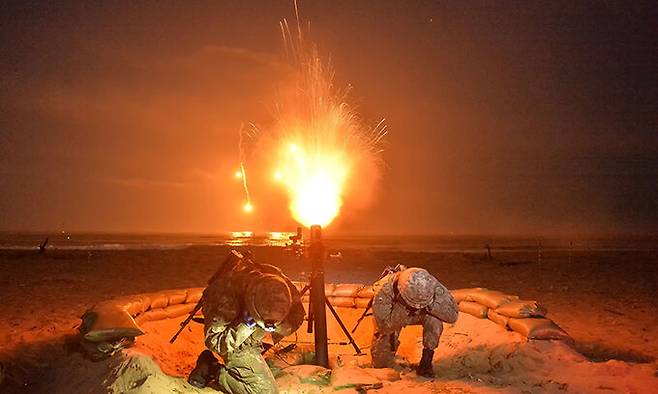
(391, 314)
(239, 345)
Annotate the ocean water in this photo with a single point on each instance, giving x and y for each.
(424, 243)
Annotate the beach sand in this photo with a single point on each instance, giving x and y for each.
(606, 300)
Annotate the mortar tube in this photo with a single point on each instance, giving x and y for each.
(316, 254)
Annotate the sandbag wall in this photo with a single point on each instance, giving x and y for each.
(343, 295)
(109, 325)
(526, 317)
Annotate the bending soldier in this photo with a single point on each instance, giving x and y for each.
(409, 297)
(240, 308)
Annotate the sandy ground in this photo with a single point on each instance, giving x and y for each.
(605, 300)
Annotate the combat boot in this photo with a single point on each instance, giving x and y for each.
(425, 367)
(204, 370)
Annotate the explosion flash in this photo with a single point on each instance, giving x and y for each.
(320, 150)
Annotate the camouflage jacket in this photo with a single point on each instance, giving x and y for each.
(391, 313)
(225, 329)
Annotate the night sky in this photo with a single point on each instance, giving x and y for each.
(504, 117)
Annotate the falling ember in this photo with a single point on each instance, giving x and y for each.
(247, 207)
(237, 174)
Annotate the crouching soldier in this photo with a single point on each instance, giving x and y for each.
(240, 307)
(411, 296)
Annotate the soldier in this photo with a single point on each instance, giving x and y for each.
(240, 307)
(408, 297)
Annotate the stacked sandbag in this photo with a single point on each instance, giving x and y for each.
(538, 328)
(343, 295)
(479, 301)
(497, 318)
(521, 309)
(523, 316)
(473, 309)
(112, 325)
(492, 299)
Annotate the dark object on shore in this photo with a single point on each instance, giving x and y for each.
(512, 263)
(42, 247)
(296, 245)
(489, 257)
(614, 312)
(297, 238)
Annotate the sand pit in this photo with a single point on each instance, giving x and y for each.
(475, 355)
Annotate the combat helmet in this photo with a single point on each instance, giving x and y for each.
(268, 300)
(416, 287)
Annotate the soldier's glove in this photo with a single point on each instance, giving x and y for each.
(249, 320)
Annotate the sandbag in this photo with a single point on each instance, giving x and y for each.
(491, 298)
(329, 289)
(537, 328)
(174, 311)
(152, 315)
(177, 297)
(464, 294)
(134, 304)
(497, 318)
(137, 305)
(366, 292)
(159, 300)
(473, 308)
(521, 309)
(361, 303)
(194, 295)
(108, 323)
(342, 302)
(346, 290)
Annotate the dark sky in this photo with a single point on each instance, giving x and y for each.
(504, 117)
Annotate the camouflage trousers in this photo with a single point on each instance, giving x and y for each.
(385, 344)
(246, 372)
